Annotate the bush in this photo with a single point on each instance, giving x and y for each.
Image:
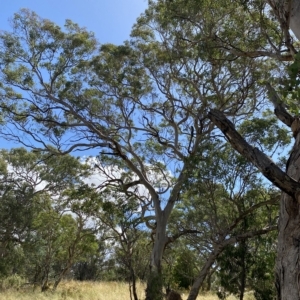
(12, 282)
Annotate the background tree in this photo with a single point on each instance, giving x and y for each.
(223, 205)
(248, 265)
(93, 267)
(61, 241)
(34, 227)
(123, 221)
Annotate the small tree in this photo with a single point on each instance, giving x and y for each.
(60, 241)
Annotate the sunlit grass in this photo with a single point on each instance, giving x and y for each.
(89, 291)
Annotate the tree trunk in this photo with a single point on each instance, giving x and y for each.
(203, 273)
(287, 263)
(243, 271)
(209, 278)
(61, 275)
(154, 290)
(132, 283)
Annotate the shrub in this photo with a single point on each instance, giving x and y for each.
(12, 282)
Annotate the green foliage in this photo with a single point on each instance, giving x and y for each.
(36, 232)
(145, 104)
(184, 270)
(13, 281)
(265, 132)
(62, 239)
(289, 87)
(13, 259)
(234, 263)
(249, 264)
(94, 267)
(262, 272)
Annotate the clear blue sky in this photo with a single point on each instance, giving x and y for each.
(110, 20)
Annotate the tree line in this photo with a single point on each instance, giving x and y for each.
(56, 225)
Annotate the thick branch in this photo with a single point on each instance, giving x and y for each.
(268, 168)
(176, 236)
(279, 107)
(248, 234)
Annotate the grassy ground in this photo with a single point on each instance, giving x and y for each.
(88, 291)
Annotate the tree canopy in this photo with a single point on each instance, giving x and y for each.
(162, 110)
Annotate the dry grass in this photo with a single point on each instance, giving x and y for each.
(88, 291)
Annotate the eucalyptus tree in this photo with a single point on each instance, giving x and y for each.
(18, 203)
(143, 105)
(121, 223)
(33, 222)
(263, 33)
(203, 60)
(58, 240)
(27, 179)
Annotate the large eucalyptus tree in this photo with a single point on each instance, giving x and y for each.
(278, 42)
(145, 105)
(260, 30)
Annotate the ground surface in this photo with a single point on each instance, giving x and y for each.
(88, 291)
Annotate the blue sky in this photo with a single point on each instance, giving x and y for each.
(110, 20)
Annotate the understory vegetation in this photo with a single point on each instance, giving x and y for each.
(74, 290)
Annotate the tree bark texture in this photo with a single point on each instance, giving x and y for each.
(288, 249)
